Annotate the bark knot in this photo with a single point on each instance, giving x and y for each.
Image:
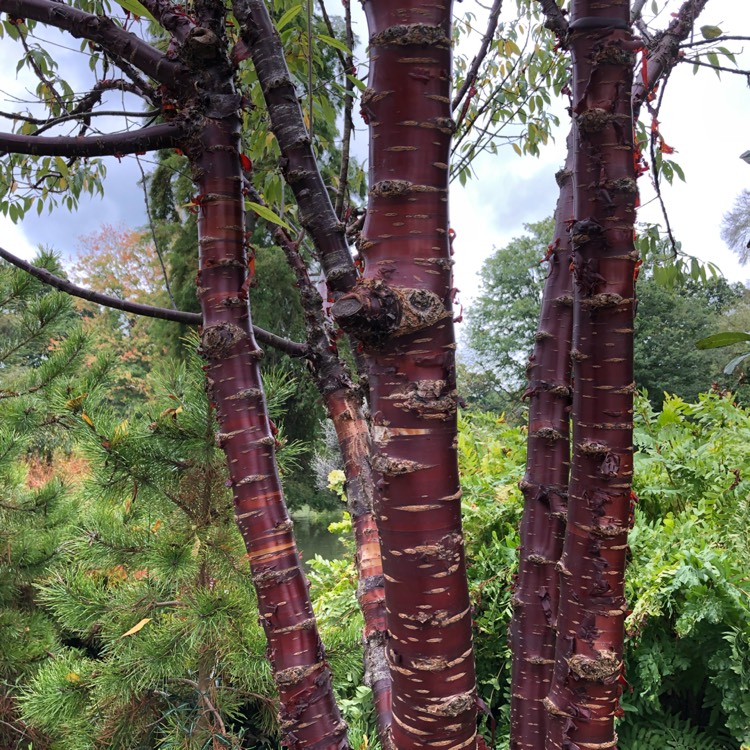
(417, 34)
(604, 667)
(430, 399)
(217, 340)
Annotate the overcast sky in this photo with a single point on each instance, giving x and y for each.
(704, 119)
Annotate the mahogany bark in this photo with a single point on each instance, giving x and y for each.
(583, 697)
(544, 486)
(309, 715)
(401, 312)
(537, 597)
(346, 409)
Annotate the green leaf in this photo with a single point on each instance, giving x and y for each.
(727, 338)
(331, 42)
(357, 83)
(265, 213)
(134, 7)
(288, 16)
(62, 166)
(731, 366)
(711, 32)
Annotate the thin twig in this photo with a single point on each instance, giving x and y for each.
(715, 40)
(722, 68)
(309, 69)
(153, 232)
(657, 179)
(77, 116)
(346, 136)
(489, 35)
(38, 71)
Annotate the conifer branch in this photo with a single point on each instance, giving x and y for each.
(291, 348)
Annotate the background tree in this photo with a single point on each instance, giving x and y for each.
(669, 321)
(502, 320)
(735, 228)
(670, 317)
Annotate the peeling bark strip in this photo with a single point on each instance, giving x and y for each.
(545, 488)
(583, 697)
(401, 312)
(309, 715)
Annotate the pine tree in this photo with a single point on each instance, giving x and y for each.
(41, 351)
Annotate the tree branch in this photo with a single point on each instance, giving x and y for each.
(166, 135)
(292, 348)
(556, 20)
(120, 44)
(489, 35)
(177, 23)
(299, 164)
(664, 56)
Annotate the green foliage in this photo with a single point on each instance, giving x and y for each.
(687, 581)
(665, 732)
(492, 455)
(42, 347)
(510, 100)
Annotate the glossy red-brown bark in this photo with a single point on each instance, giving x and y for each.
(309, 715)
(344, 402)
(544, 487)
(401, 310)
(583, 697)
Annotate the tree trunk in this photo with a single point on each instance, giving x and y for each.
(401, 311)
(583, 698)
(309, 715)
(545, 487)
(346, 410)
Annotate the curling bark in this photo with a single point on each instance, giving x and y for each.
(583, 698)
(401, 312)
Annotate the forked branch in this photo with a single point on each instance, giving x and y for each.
(120, 44)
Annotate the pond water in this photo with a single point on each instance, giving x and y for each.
(313, 537)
